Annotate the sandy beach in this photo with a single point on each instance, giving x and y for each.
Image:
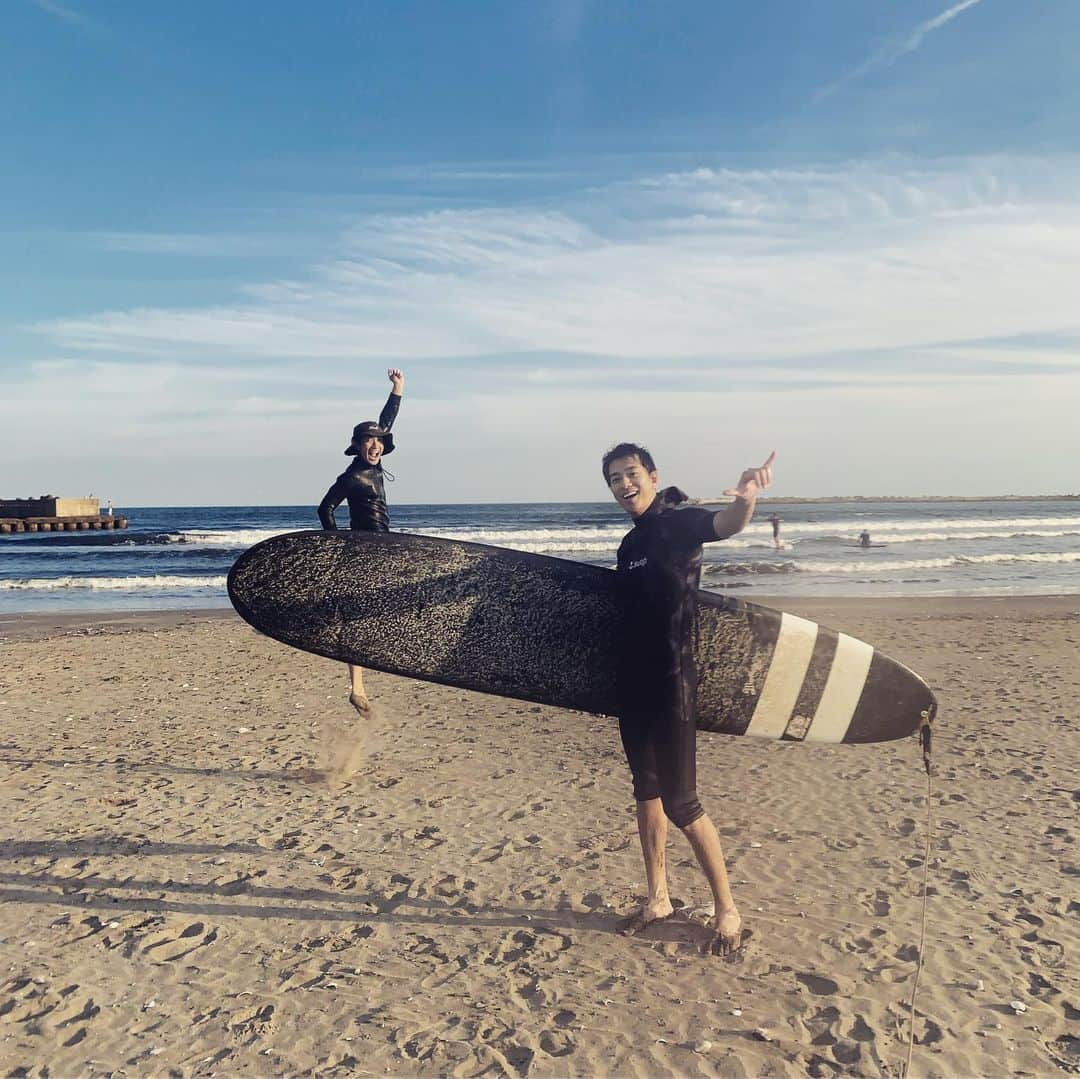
(185, 892)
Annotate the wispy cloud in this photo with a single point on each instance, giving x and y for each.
(215, 245)
(704, 264)
(67, 14)
(692, 309)
(894, 50)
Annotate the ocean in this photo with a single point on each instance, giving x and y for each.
(179, 556)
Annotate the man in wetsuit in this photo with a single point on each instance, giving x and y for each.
(659, 565)
(362, 485)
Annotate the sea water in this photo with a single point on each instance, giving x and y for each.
(179, 556)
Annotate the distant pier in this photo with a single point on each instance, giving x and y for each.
(51, 514)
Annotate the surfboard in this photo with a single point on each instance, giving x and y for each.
(865, 546)
(543, 629)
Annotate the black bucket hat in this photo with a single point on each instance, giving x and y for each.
(369, 429)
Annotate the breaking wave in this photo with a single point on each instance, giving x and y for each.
(158, 582)
(873, 564)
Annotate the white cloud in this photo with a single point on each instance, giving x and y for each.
(702, 264)
(894, 50)
(67, 14)
(204, 245)
(842, 314)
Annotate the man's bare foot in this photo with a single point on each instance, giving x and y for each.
(360, 702)
(643, 917)
(730, 938)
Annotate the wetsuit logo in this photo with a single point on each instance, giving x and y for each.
(638, 564)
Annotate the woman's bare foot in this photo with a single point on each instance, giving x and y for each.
(360, 702)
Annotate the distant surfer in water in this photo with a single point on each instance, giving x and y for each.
(864, 539)
(362, 485)
(659, 566)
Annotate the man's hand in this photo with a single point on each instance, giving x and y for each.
(398, 379)
(753, 481)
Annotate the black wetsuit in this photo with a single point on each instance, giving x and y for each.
(659, 568)
(362, 485)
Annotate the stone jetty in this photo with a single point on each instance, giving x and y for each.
(51, 514)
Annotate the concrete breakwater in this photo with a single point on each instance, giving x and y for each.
(51, 514)
(8, 525)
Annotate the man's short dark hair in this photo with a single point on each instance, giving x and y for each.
(628, 449)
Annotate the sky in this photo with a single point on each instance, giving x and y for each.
(847, 231)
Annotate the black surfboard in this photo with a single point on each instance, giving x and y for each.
(543, 629)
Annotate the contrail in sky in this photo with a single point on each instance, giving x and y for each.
(888, 56)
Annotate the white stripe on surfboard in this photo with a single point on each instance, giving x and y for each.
(842, 691)
(784, 679)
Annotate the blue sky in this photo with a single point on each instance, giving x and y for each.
(848, 231)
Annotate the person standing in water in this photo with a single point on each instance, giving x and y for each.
(362, 485)
(774, 520)
(658, 569)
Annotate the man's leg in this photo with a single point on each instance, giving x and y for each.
(727, 922)
(651, 822)
(676, 761)
(652, 831)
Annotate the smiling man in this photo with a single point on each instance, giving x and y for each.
(659, 566)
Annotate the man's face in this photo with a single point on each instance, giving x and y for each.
(633, 486)
(371, 449)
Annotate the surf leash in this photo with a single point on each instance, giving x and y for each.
(924, 741)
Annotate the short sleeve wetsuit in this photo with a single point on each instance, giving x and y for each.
(362, 485)
(659, 568)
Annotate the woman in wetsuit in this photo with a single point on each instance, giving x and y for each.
(361, 484)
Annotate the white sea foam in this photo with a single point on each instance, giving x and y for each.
(158, 582)
(241, 537)
(509, 537)
(555, 540)
(872, 564)
(888, 535)
(951, 525)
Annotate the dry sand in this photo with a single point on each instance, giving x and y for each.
(182, 894)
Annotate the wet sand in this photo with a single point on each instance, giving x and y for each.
(185, 892)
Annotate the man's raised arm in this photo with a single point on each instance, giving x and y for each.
(734, 518)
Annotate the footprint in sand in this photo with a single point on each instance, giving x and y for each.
(557, 1043)
(429, 837)
(252, 1026)
(822, 1024)
(338, 942)
(1065, 1052)
(528, 990)
(168, 947)
(879, 905)
(511, 815)
(345, 880)
(858, 945)
(861, 1031)
(819, 986)
(542, 945)
(38, 1006)
(453, 887)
